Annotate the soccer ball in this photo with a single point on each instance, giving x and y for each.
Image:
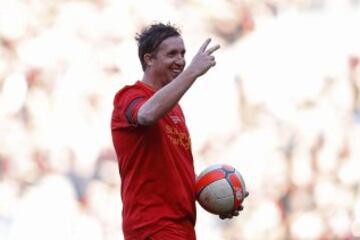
(220, 189)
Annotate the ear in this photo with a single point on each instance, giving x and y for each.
(148, 59)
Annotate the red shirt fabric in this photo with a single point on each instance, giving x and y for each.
(182, 231)
(155, 165)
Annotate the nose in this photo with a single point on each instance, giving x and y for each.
(180, 60)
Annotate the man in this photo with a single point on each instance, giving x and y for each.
(152, 142)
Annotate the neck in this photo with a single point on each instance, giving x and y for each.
(152, 82)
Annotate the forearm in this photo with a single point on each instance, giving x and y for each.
(165, 98)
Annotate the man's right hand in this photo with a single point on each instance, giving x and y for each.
(236, 212)
(203, 59)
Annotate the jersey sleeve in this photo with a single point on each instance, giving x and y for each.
(126, 106)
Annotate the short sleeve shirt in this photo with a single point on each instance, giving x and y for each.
(155, 165)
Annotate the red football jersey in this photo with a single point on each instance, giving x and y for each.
(155, 164)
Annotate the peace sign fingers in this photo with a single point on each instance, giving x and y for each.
(212, 49)
(204, 59)
(204, 45)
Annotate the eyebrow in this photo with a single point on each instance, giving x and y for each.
(183, 51)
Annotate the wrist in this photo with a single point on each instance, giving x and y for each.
(190, 73)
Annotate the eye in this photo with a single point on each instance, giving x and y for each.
(171, 54)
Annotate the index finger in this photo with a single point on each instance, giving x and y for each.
(204, 45)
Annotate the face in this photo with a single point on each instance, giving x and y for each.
(168, 61)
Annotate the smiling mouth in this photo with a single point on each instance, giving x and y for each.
(176, 71)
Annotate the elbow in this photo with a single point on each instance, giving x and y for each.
(146, 118)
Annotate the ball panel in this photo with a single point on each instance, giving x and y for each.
(222, 206)
(241, 180)
(208, 178)
(228, 168)
(237, 190)
(217, 198)
(221, 189)
(209, 169)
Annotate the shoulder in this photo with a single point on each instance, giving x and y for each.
(136, 88)
(129, 92)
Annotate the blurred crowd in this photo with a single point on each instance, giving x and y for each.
(293, 132)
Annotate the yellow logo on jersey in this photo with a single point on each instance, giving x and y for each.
(178, 137)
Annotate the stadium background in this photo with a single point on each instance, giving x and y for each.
(282, 105)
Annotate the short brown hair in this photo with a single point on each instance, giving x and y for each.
(152, 36)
